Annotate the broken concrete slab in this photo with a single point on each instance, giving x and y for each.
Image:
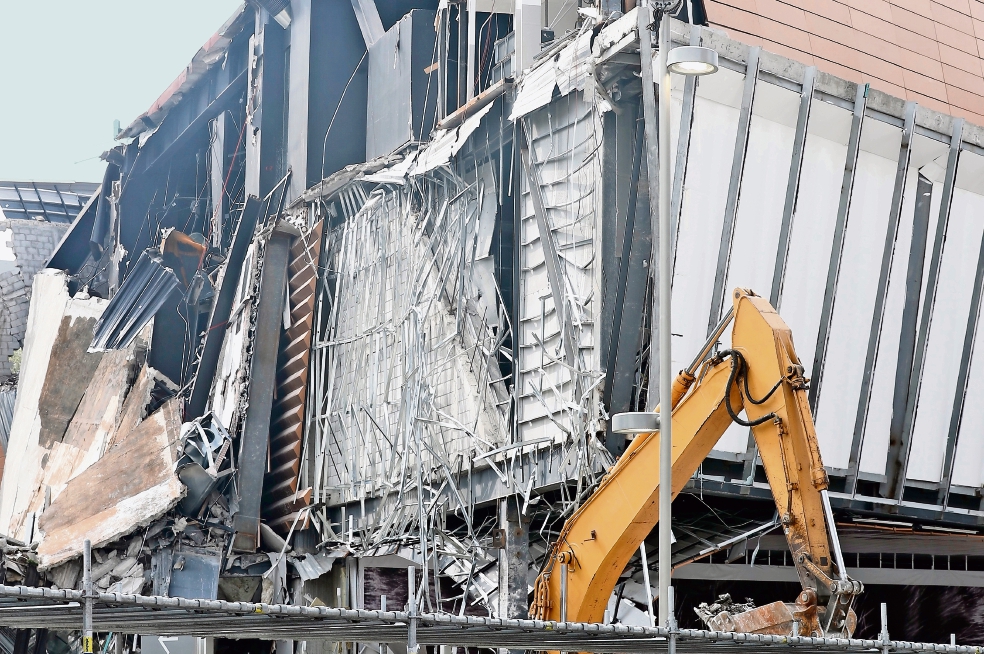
(53, 315)
(129, 487)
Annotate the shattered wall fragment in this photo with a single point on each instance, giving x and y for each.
(59, 329)
(103, 505)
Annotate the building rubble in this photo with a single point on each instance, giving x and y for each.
(276, 360)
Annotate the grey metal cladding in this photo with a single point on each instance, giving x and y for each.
(402, 94)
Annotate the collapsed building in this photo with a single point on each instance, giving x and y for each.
(363, 288)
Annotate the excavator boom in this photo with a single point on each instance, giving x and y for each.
(761, 375)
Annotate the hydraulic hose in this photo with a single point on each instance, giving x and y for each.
(737, 366)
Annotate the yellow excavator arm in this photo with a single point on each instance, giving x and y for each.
(762, 375)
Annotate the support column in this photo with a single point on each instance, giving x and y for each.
(265, 134)
(514, 560)
(263, 371)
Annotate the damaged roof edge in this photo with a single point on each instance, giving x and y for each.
(207, 56)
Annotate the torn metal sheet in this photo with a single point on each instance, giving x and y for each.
(405, 360)
(144, 291)
(102, 504)
(231, 375)
(195, 573)
(312, 566)
(563, 69)
(446, 143)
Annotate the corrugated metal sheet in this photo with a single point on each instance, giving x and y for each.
(141, 295)
(282, 501)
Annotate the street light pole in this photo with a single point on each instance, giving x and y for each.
(659, 204)
(691, 60)
(665, 345)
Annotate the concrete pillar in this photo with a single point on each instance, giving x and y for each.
(514, 560)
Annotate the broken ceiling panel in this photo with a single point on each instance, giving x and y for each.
(58, 334)
(104, 505)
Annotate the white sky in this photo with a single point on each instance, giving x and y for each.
(68, 68)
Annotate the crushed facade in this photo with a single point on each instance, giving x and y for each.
(294, 347)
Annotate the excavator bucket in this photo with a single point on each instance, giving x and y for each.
(800, 618)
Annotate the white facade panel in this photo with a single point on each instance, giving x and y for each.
(564, 141)
(946, 337)
(874, 447)
(810, 242)
(850, 327)
(712, 143)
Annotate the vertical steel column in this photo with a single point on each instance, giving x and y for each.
(719, 291)
(837, 248)
(878, 314)
(683, 148)
(792, 185)
(87, 594)
(883, 636)
(255, 436)
(963, 377)
(462, 56)
(630, 296)
(383, 648)
(265, 106)
(664, 332)
(671, 622)
(514, 560)
(898, 467)
(907, 331)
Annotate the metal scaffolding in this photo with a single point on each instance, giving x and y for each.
(23, 607)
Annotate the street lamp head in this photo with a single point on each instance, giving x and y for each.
(692, 60)
(635, 422)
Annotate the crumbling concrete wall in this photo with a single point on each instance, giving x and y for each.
(25, 246)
